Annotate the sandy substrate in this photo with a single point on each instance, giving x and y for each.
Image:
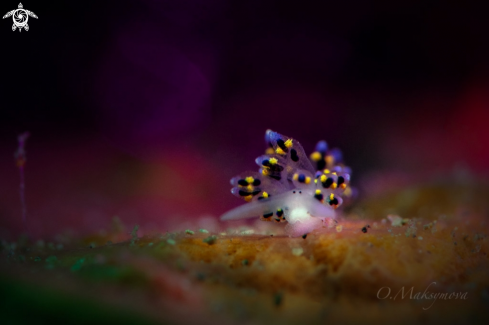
(428, 264)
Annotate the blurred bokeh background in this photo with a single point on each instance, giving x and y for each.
(145, 109)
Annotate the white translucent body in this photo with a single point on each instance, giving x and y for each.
(302, 211)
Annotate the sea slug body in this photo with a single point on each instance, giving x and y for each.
(292, 188)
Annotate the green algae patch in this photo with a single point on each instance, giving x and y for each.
(113, 274)
(78, 264)
(51, 262)
(210, 240)
(28, 303)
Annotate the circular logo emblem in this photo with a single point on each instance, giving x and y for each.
(20, 17)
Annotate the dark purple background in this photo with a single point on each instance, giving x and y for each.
(399, 86)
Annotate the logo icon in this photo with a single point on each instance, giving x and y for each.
(20, 17)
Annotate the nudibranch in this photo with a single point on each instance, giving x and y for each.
(291, 187)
